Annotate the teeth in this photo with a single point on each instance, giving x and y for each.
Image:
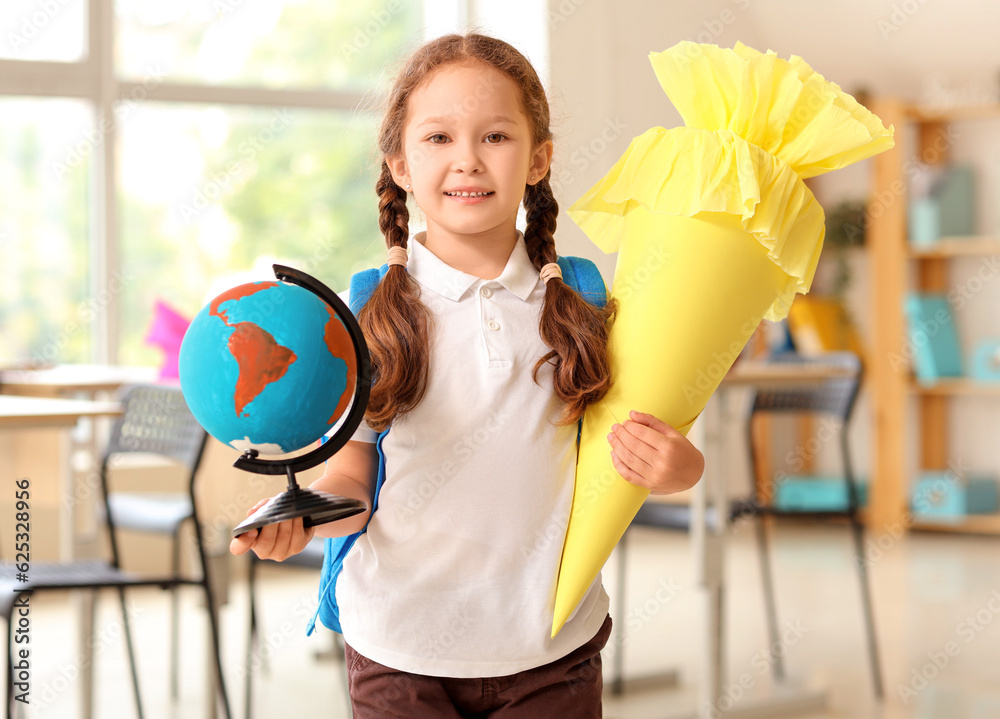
(468, 194)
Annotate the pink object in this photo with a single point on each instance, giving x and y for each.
(166, 332)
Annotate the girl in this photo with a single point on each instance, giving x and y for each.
(483, 363)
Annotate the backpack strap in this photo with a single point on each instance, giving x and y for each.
(583, 276)
(362, 286)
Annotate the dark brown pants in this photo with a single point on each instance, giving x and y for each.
(567, 688)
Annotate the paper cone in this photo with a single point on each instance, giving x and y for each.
(715, 231)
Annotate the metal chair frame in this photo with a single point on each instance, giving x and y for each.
(835, 397)
(155, 420)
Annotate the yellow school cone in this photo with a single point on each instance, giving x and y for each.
(715, 231)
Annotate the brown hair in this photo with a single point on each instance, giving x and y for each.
(396, 323)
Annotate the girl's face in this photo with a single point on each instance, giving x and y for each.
(468, 151)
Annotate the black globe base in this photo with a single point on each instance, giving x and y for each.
(313, 505)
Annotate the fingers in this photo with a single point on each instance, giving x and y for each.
(241, 544)
(655, 424)
(282, 540)
(627, 473)
(629, 449)
(273, 541)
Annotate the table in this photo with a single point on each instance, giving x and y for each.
(708, 541)
(90, 380)
(45, 412)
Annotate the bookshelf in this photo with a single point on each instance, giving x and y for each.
(892, 259)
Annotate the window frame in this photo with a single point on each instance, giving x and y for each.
(93, 79)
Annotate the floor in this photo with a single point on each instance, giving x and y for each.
(937, 597)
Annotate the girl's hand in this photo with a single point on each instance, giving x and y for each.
(273, 541)
(650, 453)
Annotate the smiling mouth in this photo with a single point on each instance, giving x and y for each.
(469, 194)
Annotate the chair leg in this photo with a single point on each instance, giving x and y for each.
(866, 605)
(213, 621)
(618, 680)
(175, 620)
(131, 651)
(778, 667)
(251, 637)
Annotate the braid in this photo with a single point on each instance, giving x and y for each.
(576, 330)
(541, 211)
(393, 216)
(395, 322)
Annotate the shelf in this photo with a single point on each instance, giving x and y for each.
(974, 523)
(944, 114)
(956, 386)
(956, 247)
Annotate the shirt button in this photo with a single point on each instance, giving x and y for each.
(486, 292)
(494, 325)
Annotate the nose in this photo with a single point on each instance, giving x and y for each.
(467, 157)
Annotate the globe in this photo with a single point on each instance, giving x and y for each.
(268, 366)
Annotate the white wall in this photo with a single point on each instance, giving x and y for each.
(604, 93)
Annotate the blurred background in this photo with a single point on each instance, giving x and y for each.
(155, 153)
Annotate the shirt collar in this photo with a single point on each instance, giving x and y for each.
(519, 276)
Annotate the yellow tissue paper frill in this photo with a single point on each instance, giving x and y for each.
(704, 171)
(782, 106)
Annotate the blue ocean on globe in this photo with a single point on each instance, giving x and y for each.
(267, 366)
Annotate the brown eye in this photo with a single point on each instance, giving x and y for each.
(495, 137)
(438, 139)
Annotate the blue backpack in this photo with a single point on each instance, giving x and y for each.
(579, 273)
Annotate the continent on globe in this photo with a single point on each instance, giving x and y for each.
(261, 361)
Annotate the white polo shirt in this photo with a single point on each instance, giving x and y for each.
(456, 573)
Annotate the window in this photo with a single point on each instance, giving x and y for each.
(202, 140)
(44, 164)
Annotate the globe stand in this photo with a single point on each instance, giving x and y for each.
(314, 506)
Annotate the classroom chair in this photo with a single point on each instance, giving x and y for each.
(835, 397)
(155, 420)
